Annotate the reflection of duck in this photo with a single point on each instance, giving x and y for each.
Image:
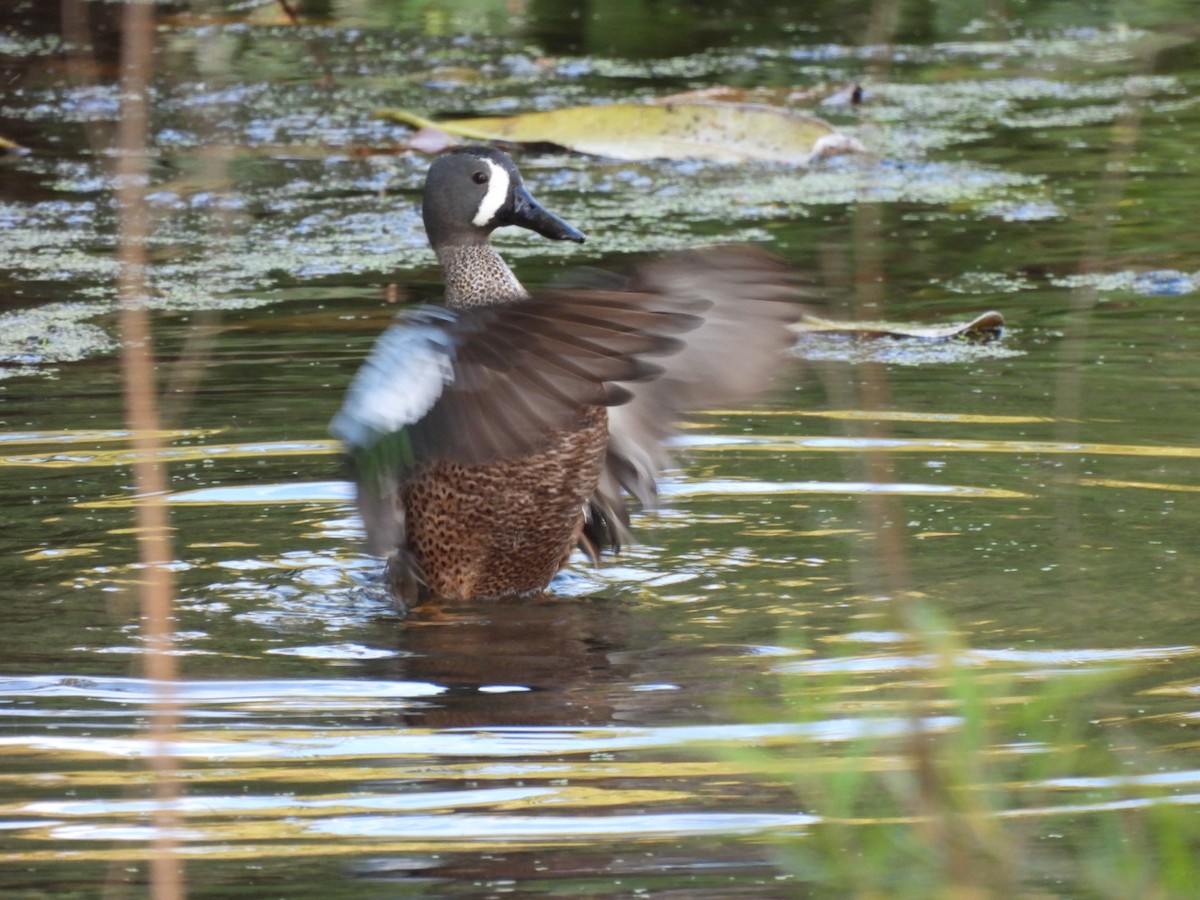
(492, 435)
(524, 661)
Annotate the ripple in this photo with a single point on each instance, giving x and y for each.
(125, 690)
(349, 743)
(543, 829)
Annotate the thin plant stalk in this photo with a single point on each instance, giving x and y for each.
(141, 412)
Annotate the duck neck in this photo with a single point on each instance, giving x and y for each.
(476, 275)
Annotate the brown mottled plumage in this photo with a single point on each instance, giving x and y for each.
(504, 527)
(481, 433)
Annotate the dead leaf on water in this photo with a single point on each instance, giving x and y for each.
(983, 329)
(719, 132)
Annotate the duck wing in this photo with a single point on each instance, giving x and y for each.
(748, 298)
(487, 383)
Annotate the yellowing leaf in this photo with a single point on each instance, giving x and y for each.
(721, 132)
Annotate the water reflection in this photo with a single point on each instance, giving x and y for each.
(532, 661)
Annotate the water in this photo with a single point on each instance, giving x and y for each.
(616, 738)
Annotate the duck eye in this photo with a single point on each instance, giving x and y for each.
(480, 177)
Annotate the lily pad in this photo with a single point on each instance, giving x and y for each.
(719, 132)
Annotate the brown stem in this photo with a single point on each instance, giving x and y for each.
(137, 363)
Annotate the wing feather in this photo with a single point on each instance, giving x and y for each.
(686, 330)
(749, 298)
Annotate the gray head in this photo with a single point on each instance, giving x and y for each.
(472, 191)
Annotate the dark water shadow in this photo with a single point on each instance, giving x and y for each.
(535, 661)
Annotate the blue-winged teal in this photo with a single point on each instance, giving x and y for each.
(493, 435)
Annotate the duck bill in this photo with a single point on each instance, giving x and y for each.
(528, 213)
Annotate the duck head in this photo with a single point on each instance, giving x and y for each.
(472, 191)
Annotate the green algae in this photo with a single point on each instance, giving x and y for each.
(50, 334)
(818, 347)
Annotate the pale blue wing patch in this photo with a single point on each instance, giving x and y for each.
(401, 380)
(405, 375)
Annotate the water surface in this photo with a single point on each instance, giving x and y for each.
(1038, 494)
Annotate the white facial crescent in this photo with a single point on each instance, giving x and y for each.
(497, 193)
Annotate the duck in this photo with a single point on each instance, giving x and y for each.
(491, 435)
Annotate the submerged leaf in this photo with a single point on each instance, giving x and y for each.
(720, 132)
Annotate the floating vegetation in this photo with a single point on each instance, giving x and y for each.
(1160, 283)
(49, 334)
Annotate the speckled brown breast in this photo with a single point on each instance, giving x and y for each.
(506, 527)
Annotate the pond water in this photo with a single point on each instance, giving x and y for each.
(686, 719)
